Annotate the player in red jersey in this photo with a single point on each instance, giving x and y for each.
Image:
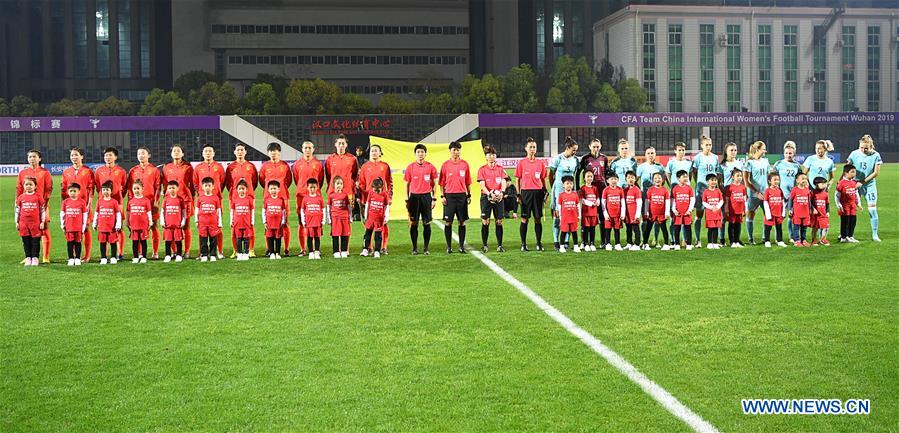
(208, 218)
(173, 221)
(736, 207)
(338, 213)
(108, 223)
(420, 177)
(305, 168)
(848, 200)
(182, 172)
(242, 170)
(658, 205)
(342, 164)
(312, 213)
(684, 201)
(243, 219)
(492, 179)
(455, 185)
(613, 209)
(274, 218)
(139, 220)
(801, 212)
(30, 216)
(775, 209)
(371, 170)
(633, 212)
(43, 188)
(84, 177)
(530, 174)
(589, 194)
(712, 202)
(72, 221)
(278, 170)
(112, 172)
(147, 173)
(212, 169)
(569, 213)
(377, 212)
(820, 212)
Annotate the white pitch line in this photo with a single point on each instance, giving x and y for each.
(659, 394)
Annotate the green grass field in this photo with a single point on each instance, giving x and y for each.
(441, 343)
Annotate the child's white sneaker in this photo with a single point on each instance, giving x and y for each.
(577, 248)
(219, 256)
(608, 247)
(344, 254)
(143, 260)
(677, 247)
(104, 261)
(77, 262)
(781, 244)
(204, 258)
(377, 255)
(364, 252)
(336, 255)
(135, 260)
(646, 247)
(212, 258)
(768, 244)
(617, 247)
(627, 247)
(178, 259)
(311, 256)
(666, 248)
(634, 248)
(689, 247)
(113, 260)
(852, 240)
(562, 249)
(273, 256)
(167, 259)
(71, 262)
(734, 245)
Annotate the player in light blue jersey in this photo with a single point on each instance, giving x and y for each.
(625, 161)
(678, 163)
(867, 163)
(756, 174)
(787, 169)
(645, 173)
(648, 169)
(729, 163)
(704, 164)
(563, 164)
(819, 164)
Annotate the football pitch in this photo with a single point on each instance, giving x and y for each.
(443, 343)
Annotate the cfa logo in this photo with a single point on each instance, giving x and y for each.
(629, 119)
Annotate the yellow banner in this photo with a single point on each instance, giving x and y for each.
(399, 154)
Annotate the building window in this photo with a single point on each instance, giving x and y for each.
(873, 68)
(102, 34)
(848, 62)
(649, 62)
(79, 12)
(558, 29)
(145, 10)
(541, 36)
(707, 67)
(819, 84)
(791, 69)
(220, 64)
(675, 68)
(764, 64)
(734, 77)
(124, 38)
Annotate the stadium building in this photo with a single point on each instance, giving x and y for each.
(739, 58)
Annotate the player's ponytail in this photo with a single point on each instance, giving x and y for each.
(755, 150)
(569, 142)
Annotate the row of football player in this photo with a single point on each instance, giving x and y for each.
(619, 207)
